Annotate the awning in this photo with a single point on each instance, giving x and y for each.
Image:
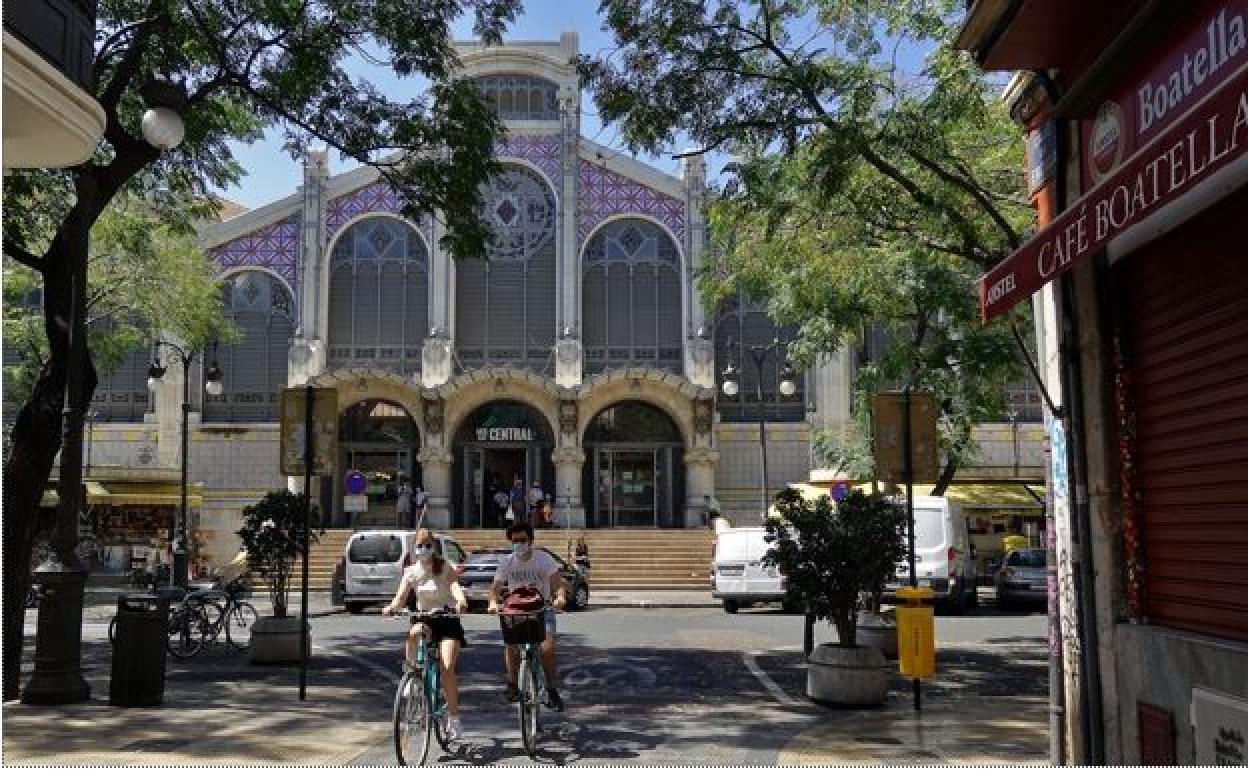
(52, 499)
(139, 493)
(973, 497)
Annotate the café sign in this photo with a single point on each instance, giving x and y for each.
(1208, 138)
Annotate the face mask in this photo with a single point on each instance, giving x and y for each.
(521, 549)
(424, 552)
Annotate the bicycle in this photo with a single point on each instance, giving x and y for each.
(528, 631)
(420, 710)
(196, 619)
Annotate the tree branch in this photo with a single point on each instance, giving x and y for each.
(975, 192)
(22, 256)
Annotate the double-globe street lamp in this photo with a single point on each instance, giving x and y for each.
(732, 387)
(179, 575)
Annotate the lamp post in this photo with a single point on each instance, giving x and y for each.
(732, 387)
(212, 384)
(58, 639)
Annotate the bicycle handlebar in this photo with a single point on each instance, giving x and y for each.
(441, 612)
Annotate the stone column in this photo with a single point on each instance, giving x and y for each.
(307, 351)
(437, 362)
(435, 471)
(568, 463)
(698, 369)
(700, 465)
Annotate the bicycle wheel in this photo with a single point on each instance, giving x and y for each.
(210, 621)
(238, 624)
(112, 630)
(413, 726)
(185, 639)
(529, 704)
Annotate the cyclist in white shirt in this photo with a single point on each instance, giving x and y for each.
(528, 566)
(431, 582)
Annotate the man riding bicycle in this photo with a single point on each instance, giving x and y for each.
(431, 580)
(538, 570)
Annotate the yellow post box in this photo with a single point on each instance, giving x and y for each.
(916, 633)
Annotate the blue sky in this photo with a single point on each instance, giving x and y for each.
(272, 174)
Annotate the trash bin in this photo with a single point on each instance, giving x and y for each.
(138, 676)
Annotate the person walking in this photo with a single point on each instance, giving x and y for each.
(582, 556)
(517, 502)
(502, 508)
(420, 503)
(535, 500)
(403, 504)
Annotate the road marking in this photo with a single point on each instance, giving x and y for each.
(769, 684)
(376, 668)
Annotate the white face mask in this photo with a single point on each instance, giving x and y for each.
(521, 549)
(424, 552)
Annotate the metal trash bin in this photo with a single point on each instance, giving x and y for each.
(138, 675)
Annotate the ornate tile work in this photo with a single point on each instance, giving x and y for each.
(605, 193)
(378, 196)
(541, 151)
(275, 247)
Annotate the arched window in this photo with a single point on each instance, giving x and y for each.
(742, 324)
(254, 369)
(505, 305)
(378, 296)
(121, 394)
(632, 297)
(520, 97)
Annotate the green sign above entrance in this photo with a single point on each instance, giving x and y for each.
(505, 434)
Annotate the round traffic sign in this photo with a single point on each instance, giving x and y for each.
(356, 483)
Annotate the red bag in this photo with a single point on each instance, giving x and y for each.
(523, 599)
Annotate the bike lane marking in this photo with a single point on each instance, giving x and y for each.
(776, 691)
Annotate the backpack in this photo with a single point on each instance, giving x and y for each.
(523, 599)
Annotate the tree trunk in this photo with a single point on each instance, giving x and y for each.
(945, 478)
(847, 628)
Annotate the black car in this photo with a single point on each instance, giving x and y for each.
(482, 564)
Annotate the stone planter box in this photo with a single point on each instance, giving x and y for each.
(855, 676)
(879, 632)
(276, 640)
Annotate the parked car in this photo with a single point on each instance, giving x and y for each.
(738, 576)
(1023, 578)
(374, 560)
(942, 548)
(482, 565)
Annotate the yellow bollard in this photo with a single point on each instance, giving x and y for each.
(916, 633)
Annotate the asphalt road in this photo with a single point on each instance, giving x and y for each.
(687, 686)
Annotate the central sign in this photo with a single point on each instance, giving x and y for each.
(505, 434)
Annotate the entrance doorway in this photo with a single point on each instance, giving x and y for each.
(637, 475)
(499, 444)
(378, 439)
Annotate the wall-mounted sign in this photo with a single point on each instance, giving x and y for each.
(293, 433)
(1041, 155)
(355, 503)
(504, 434)
(1220, 722)
(888, 427)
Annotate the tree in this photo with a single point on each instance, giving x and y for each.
(272, 534)
(859, 194)
(229, 68)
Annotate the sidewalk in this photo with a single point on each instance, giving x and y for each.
(100, 602)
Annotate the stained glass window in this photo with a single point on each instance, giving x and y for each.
(254, 368)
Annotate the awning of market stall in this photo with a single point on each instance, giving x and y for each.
(114, 493)
(52, 499)
(1015, 497)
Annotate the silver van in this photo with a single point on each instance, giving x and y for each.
(740, 578)
(374, 560)
(942, 548)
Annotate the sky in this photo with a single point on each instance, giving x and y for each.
(272, 174)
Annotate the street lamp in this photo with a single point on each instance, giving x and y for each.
(731, 387)
(179, 575)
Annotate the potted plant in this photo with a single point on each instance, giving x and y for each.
(830, 553)
(877, 628)
(272, 534)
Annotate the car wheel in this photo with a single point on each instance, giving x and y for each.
(730, 606)
(580, 598)
(355, 608)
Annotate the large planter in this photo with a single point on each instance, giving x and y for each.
(856, 676)
(877, 631)
(276, 640)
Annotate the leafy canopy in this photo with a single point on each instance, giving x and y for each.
(273, 532)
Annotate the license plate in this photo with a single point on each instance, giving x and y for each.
(732, 571)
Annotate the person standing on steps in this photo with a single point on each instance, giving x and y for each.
(403, 505)
(519, 506)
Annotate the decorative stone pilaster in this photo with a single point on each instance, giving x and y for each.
(700, 466)
(568, 504)
(568, 362)
(435, 471)
(437, 362)
(306, 359)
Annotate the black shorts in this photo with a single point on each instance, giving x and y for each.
(444, 628)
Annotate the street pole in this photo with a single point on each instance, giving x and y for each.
(309, 395)
(759, 356)
(179, 574)
(908, 472)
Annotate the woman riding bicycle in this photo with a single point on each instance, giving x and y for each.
(432, 582)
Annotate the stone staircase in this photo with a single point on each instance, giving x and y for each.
(622, 559)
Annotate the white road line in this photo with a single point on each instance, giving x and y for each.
(777, 692)
(366, 663)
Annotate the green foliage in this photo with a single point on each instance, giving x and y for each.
(830, 554)
(859, 194)
(272, 534)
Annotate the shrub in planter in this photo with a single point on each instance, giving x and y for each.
(830, 553)
(272, 534)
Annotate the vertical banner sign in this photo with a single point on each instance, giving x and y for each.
(888, 429)
(324, 431)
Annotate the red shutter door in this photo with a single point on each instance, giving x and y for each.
(1188, 320)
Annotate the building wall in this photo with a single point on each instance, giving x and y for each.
(739, 474)
(1006, 450)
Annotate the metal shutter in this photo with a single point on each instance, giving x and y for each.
(542, 303)
(670, 326)
(507, 306)
(619, 305)
(417, 321)
(280, 330)
(470, 297)
(1188, 336)
(340, 303)
(364, 302)
(595, 310)
(393, 291)
(645, 311)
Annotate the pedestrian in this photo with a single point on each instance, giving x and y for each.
(502, 508)
(420, 505)
(518, 509)
(582, 556)
(712, 510)
(403, 504)
(544, 515)
(535, 497)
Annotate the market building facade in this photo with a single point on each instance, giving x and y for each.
(1137, 123)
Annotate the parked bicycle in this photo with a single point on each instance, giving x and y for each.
(198, 618)
(420, 710)
(528, 630)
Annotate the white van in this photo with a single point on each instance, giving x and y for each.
(942, 561)
(374, 560)
(740, 579)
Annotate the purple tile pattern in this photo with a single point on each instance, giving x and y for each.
(541, 151)
(605, 194)
(275, 247)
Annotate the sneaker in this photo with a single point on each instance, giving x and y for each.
(513, 693)
(454, 730)
(553, 700)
